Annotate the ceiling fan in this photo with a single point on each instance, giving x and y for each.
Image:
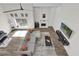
(21, 8)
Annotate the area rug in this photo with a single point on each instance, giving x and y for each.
(42, 49)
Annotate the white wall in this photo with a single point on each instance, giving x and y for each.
(10, 6)
(69, 14)
(52, 15)
(27, 6)
(4, 25)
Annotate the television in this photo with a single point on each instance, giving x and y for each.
(66, 30)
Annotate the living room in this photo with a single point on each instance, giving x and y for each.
(44, 17)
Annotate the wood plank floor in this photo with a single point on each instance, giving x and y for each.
(59, 48)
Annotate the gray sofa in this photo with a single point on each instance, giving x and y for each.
(32, 43)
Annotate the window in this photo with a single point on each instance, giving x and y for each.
(21, 22)
(22, 15)
(16, 15)
(11, 15)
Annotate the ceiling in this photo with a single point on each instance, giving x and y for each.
(46, 4)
